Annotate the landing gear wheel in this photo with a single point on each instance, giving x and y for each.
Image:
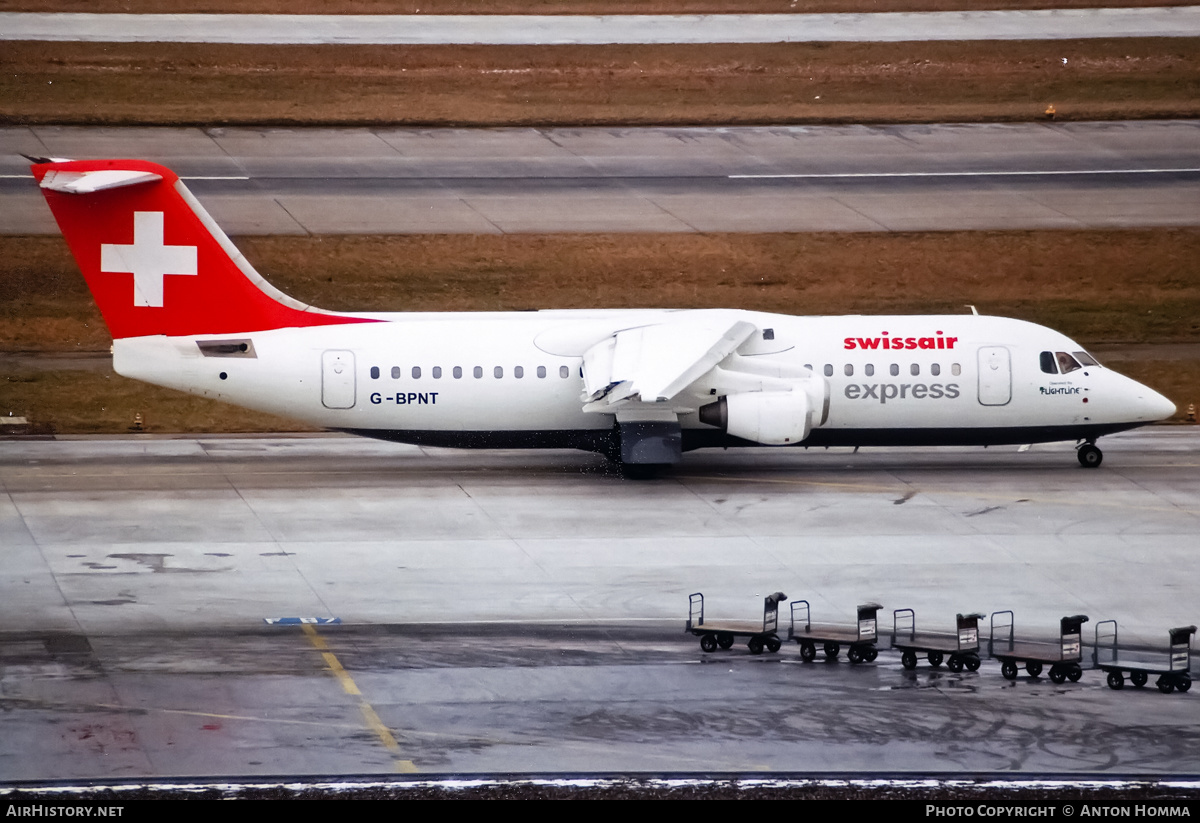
(935, 659)
(870, 653)
(1089, 455)
(955, 663)
(1009, 670)
(1139, 678)
(755, 645)
(773, 644)
(854, 654)
(808, 652)
(708, 642)
(1034, 668)
(972, 663)
(1074, 673)
(725, 640)
(1058, 674)
(831, 651)
(1116, 681)
(1164, 685)
(908, 660)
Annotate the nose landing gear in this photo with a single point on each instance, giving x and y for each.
(1089, 455)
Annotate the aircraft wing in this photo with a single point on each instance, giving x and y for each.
(655, 363)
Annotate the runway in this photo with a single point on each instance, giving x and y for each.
(522, 611)
(752, 179)
(430, 29)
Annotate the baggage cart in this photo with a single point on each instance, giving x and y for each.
(962, 645)
(1171, 664)
(721, 634)
(1063, 653)
(860, 638)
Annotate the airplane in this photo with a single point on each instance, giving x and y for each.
(641, 386)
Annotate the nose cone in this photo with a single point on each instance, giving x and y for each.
(1154, 406)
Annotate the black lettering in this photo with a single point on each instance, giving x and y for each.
(952, 389)
(376, 398)
(869, 390)
(852, 391)
(919, 391)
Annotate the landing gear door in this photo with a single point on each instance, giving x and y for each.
(337, 379)
(995, 376)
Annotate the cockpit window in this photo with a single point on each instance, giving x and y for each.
(1067, 363)
(1048, 365)
(1085, 358)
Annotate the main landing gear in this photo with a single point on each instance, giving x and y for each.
(1089, 455)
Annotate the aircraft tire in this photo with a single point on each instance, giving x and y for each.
(1090, 456)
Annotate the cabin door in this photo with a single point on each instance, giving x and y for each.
(995, 376)
(337, 379)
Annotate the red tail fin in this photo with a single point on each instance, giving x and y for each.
(155, 261)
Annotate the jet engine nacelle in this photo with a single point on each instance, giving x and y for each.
(773, 418)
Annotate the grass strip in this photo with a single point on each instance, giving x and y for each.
(723, 84)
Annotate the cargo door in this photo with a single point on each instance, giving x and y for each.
(337, 379)
(995, 376)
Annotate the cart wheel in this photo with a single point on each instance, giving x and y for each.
(1184, 683)
(756, 645)
(1116, 681)
(725, 640)
(1139, 678)
(972, 663)
(1009, 670)
(870, 653)
(708, 642)
(1034, 668)
(773, 643)
(808, 652)
(955, 663)
(854, 654)
(1057, 673)
(1164, 685)
(935, 659)
(831, 651)
(1074, 673)
(909, 660)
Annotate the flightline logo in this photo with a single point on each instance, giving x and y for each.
(883, 392)
(1059, 390)
(888, 342)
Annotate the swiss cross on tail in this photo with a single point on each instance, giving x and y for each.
(149, 260)
(130, 217)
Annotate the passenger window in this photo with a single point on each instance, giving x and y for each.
(914, 370)
(374, 372)
(955, 369)
(829, 370)
(396, 372)
(498, 372)
(416, 372)
(564, 372)
(437, 372)
(519, 372)
(935, 369)
(457, 372)
(1047, 360)
(870, 369)
(895, 369)
(541, 371)
(478, 372)
(849, 370)
(1067, 363)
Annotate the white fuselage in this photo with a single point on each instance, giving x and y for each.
(508, 379)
